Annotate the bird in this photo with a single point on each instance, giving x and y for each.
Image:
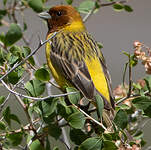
(74, 57)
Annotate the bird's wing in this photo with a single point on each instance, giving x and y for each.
(108, 78)
(76, 73)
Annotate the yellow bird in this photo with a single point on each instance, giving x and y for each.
(74, 57)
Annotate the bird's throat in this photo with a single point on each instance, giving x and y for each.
(75, 26)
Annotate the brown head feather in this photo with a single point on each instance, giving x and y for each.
(63, 16)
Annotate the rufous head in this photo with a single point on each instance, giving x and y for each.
(63, 17)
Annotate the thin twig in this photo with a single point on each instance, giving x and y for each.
(68, 148)
(55, 85)
(89, 14)
(5, 23)
(142, 126)
(64, 134)
(27, 42)
(130, 79)
(112, 3)
(35, 98)
(124, 74)
(25, 128)
(22, 62)
(33, 138)
(101, 5)
(7, 98)
(131, 96)
(100, 124)
(13, 12)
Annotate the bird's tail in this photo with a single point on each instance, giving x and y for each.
(108, 117)
(107, 113)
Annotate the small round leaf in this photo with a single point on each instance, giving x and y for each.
(42, 74)
(13, 35)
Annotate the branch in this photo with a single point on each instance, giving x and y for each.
(130, 79)
(89, 14)
(68, 148)
(25, 128)
(124, 74)
(18, 64)
(130, 97)
(35, 136)
(7, 98)
(35, 98)
(64, 139)
(112, 3)
(101, 5)
(98, 123)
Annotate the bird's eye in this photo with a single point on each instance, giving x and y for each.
(59, 13)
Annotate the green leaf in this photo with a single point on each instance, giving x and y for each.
(100, 105)
(100, 45)
(69, 2)
(147, 111)
(6, 115)
(138, 135)
(126, 54)
(2, 99)
(64, 110)
(37, 109)
(35, 145)
(36, 5)
(55, 148)
(124, 106)
(12, 59)
(15, 118)
(107, 136)
(48, 106)
(2, 125)
(2, 37)
(109, 145)
(86, 6)
(25, 26)
(91, 144)
(142, 102)
(121, 119)
(118, 7)
(13, 35)
(54, 131)
(3, 12)
(15, 138)
(148, 83)
(137, 86)
(73, 98)
(4, 2)
(47, 144)
(50, 118)
(16, 51)
(133, 61)
(42, 74)
(76, 120)
(77, 136)
(128, 8)
(13, 77)
(35, 87)
(26, 51)
(2, 57)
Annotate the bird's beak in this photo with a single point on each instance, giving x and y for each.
(44, 15)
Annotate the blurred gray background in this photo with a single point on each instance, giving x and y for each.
(116, 30)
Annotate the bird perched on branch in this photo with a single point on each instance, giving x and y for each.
(74, 57)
